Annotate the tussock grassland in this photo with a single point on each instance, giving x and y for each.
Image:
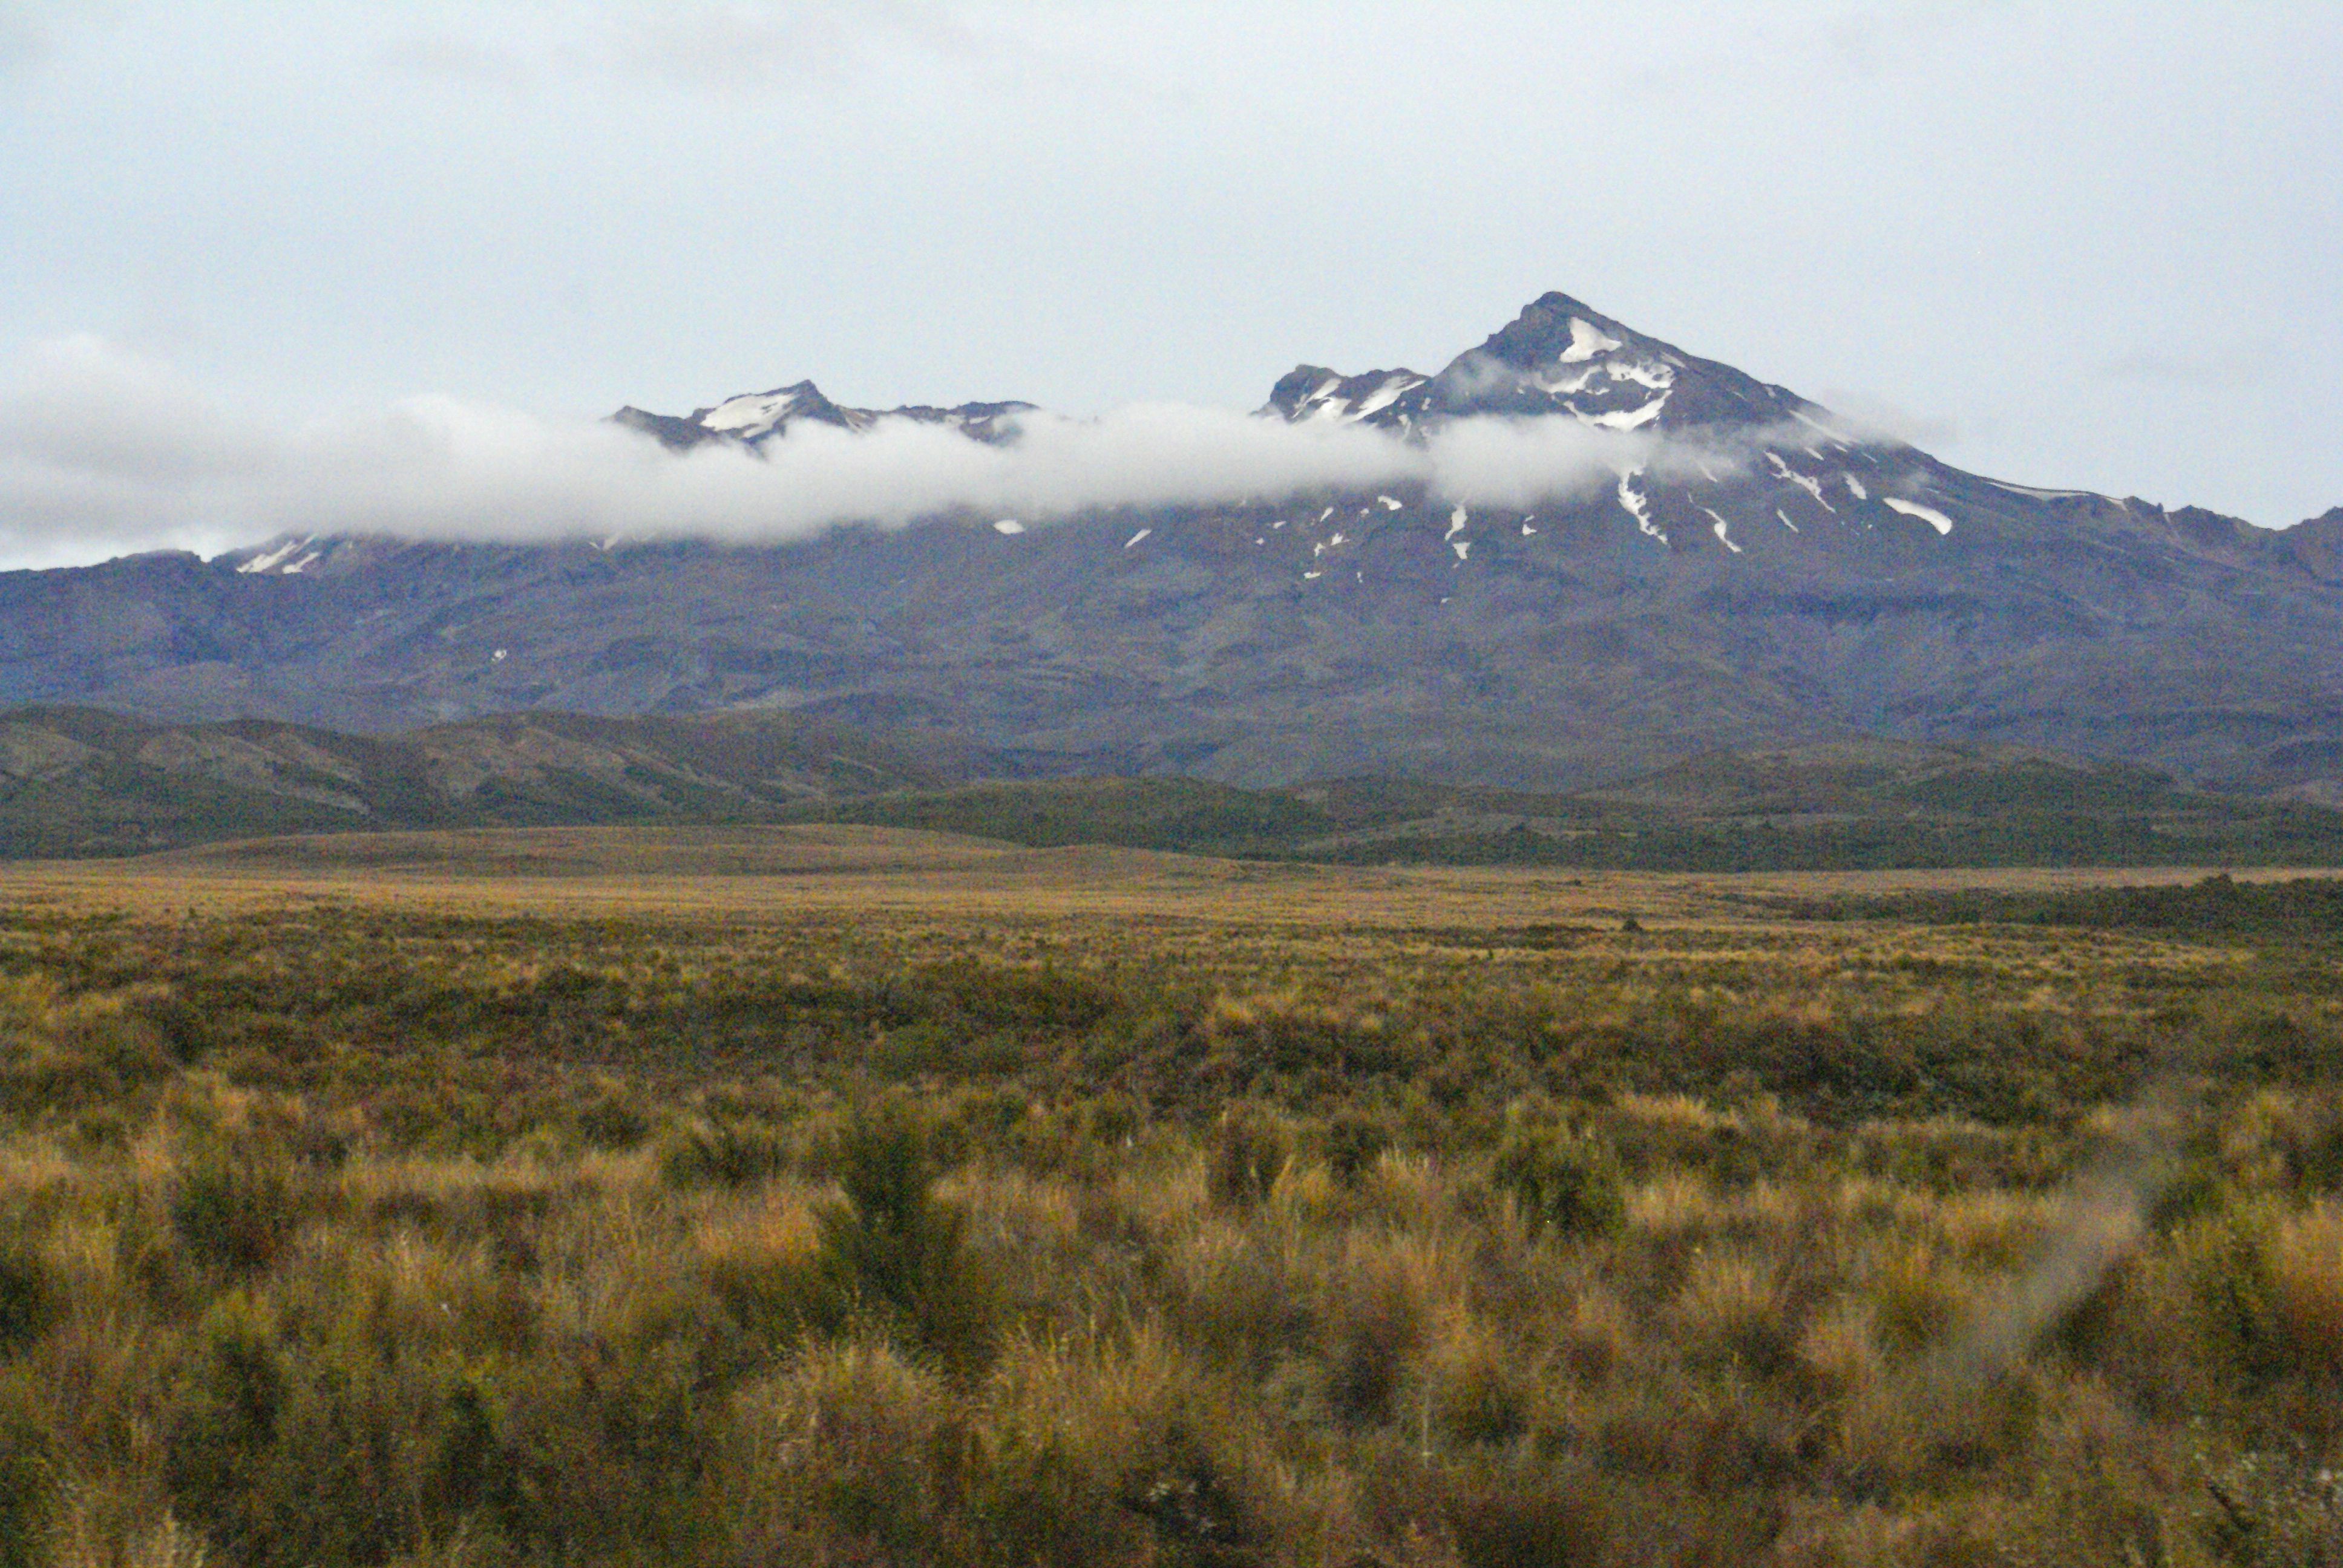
(746, 1226)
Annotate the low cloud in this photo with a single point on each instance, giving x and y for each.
(103, 451)
(1866, 418)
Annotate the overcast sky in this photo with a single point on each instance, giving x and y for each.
(2073, 244)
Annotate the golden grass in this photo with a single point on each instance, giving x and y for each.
(1868, 1300)
(755, 873)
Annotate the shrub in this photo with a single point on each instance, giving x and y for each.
(723, 1152)
(843, 1447)
(776, 1294)
(2274, 1511)
(24, 1483)
(1197, 1503)
(1477, 1393)
(1373, 1331)
(1506, 1517)
(1058, 1425)
(236, 1207)
(1353, 1143)
(1243, 1158)
(2269, 1289)
(2306, 1267)
(2311, 1144)
(887, 1240)
(611, 1117)
(225, 1421)
(27, 1304)
(1559, 1182)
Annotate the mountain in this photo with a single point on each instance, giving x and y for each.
(1757, 574)
(1558, 357)
(85, 782)
(756, 417)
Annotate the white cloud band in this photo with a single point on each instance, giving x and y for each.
(103, 451)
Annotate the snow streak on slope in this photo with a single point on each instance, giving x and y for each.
(1928, 514)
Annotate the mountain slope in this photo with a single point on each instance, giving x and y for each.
(1757, 574)
(81, 781)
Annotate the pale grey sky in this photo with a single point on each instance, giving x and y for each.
(2077, 245)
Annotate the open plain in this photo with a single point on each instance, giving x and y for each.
(857, 1195)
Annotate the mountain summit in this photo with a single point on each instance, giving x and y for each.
(1557, 357)
(1756, 572)
(755, 418)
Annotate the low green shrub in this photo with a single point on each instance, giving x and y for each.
(889, 1242)
(1561, 1181)
(1243, 1156)
(1353, 1144)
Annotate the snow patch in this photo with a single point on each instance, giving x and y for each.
(1393, 387)
(1811, 485)
(755, 410)
(1928, 514)
(1722, 537)
(1137, 536)
(497, 657)
(1586, 341)
(1391, 505)
(2038, 495)
(1658, 377)
(1854, 487)
(1456, 522)
(1637, 508)
(272, 560)
(1461, 547)
(1009, 525)
(1786, 520)
(1627, 419)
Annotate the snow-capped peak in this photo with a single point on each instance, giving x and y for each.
(286, 556)
(755, 415)
(753, 419)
